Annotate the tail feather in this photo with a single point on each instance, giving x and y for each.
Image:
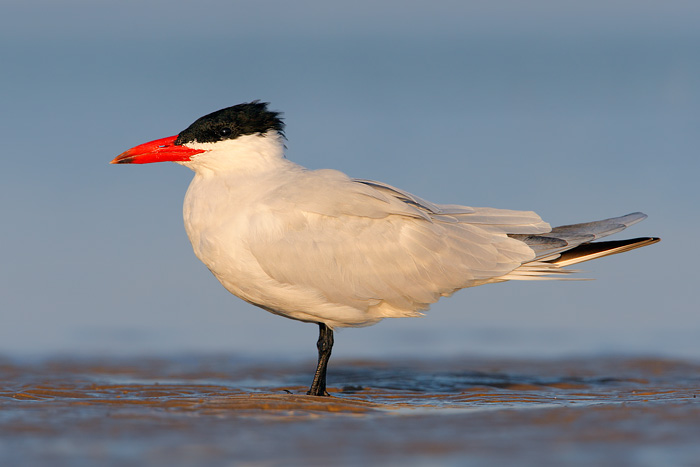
(573, 244)
(548, 246)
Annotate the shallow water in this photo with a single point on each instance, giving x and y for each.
(233, 411)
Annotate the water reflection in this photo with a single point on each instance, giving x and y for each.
(181, 411)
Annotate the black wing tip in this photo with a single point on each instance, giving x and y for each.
(595, 250)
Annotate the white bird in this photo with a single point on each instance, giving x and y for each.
(321, 247)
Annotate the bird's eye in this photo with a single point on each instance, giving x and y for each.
(225, 131)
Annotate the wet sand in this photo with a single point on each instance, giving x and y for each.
(218, 410)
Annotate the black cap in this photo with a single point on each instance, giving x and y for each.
(230, 123)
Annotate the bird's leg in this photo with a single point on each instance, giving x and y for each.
(324, 345)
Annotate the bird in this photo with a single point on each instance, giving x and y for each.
(321, 247)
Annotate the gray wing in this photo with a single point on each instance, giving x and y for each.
(368, 245)
(550, 245)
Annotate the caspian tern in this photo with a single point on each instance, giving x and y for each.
(321, 247)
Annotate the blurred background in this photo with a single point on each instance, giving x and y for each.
(577, 110)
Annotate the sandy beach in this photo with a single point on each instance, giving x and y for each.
(219, 410)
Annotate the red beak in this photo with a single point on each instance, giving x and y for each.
(160, 150)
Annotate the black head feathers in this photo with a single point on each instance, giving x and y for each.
(230, 123)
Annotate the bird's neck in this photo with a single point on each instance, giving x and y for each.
(247, 155)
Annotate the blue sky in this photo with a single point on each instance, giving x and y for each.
(578, 112)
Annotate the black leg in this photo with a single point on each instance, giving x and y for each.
(324, 345)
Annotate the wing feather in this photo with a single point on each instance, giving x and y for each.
(373, 247)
